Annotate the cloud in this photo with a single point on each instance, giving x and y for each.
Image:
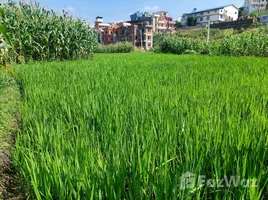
(69, 9)
(151, 8)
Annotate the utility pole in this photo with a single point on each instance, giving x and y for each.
(141, 38)
(208, 31)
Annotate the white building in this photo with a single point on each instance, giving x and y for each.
(254, 6)
(213, 15)
(264, 19)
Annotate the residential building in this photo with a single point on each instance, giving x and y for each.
(254, 6)
(163, 22)
(138, 32)
(160, 20)
(110, 34)
(213, 15)
(99, 26)
(264, 19)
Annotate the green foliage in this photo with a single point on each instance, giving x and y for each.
(159, 37)
(9, 98)
(201, 34)
(4, 46)
(178, 45)
(253, 43)
(257, 14)
(43, 35)
(241, 12)
(191, 20)
(178, 24)
(128, 126)
(248, 43)
(124, 47)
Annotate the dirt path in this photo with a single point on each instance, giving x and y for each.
(9, 126)
(9, 187)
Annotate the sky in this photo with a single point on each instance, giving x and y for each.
(119, 10)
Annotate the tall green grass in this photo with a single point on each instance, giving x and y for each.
(122, 47)
(128, 126)
(39, 34)
(252, 42)
(9, 105)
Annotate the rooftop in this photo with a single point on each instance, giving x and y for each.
(141, 20)
(216, 8)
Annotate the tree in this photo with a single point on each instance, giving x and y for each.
(191, 20)
(241, 12)
(178, 24)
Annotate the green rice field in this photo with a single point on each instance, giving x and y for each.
(134, 126)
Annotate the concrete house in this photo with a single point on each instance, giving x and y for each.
(99, 26)
(213, 15)
(140, 33)
(254, 6)
(162, 22)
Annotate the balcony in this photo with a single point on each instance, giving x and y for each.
(161, 28)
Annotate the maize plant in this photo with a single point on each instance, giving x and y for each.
(44, 35)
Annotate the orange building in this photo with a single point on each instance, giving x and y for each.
(109, 35)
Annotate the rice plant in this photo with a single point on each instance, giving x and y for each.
(129, 126)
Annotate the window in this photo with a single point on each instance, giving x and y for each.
(149, 44)
(106, 33)
(149, 37)
(221, 16)
(201, 19)
(208, 18)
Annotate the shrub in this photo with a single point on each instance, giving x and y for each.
(43, 35)
(191, 20)
(179, 45)
(124, 47)
(253, 43)
(247, 43)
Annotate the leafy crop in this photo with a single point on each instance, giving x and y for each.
(254, 43)
(125, 47)
(43, 35)
(178, 45)
(248, 43)
(128, 126)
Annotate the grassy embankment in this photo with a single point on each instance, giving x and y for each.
(9, 122)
